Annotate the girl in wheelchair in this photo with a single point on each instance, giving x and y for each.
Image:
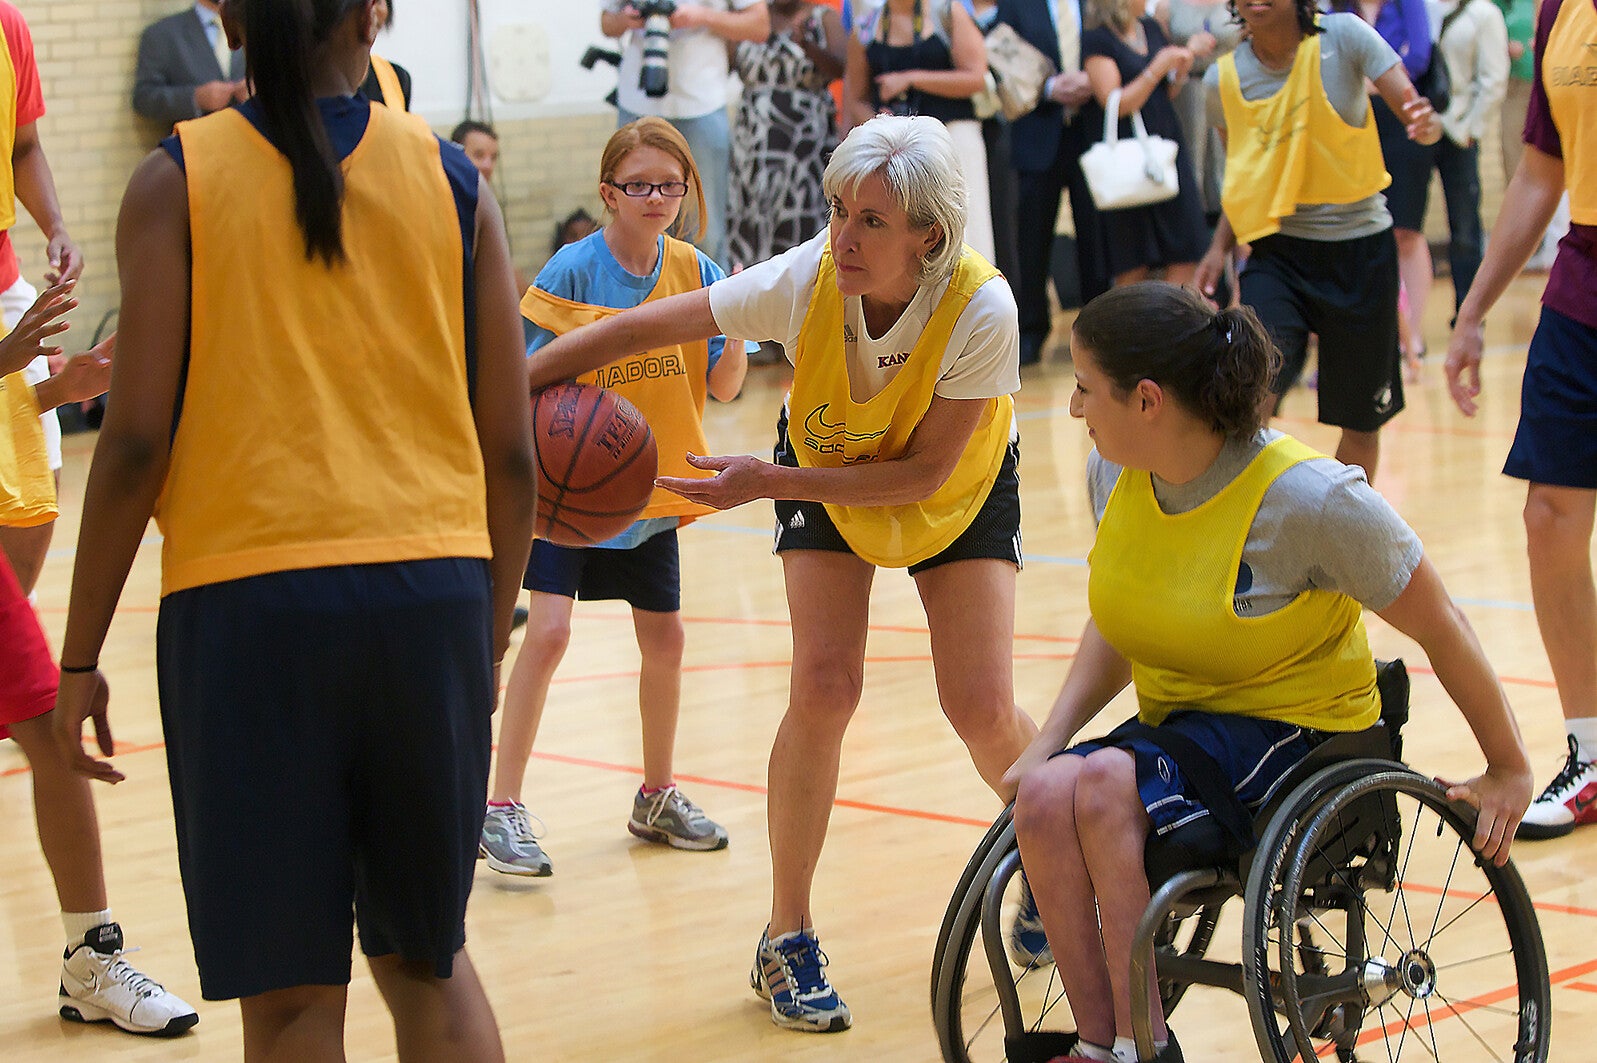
(1228, 579)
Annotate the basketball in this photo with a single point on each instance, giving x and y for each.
(596, 463)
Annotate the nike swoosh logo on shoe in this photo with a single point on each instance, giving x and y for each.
(1580, 805)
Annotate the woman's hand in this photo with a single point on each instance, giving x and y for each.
(892, 85)
(1464, 363)
(85, 696)
(1034, 756)
(738, 479)
(66, 261)
(1421, 122)
(83, 377)
(1499, 798)
(1211, 267)
(1202, 44)
(26, 342)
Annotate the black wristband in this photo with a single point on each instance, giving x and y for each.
(67, 669)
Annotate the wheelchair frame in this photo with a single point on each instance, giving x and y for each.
(1332, 837)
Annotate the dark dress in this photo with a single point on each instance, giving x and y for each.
(1160, 234)
(781, 142)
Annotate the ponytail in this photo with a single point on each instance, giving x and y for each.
(1217, 365)
(280, 40)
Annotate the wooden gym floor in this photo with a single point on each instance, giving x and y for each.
(639, 953)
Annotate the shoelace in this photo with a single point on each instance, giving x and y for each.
(1573, 767)
(802, 965)
(139, 983)
(671, 797)
(521, 824)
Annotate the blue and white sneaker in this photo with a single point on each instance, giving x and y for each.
(790, 972)
(1028, 942)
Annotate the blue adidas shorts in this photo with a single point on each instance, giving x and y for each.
(327, 740)
(1254, 754)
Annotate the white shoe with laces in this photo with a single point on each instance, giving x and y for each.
(98, 985)
(1569, 801)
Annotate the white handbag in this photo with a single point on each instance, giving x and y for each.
(1129, 173)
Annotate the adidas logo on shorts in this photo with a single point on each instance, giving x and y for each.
(797, 521)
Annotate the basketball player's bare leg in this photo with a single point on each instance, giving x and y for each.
(304, 1024)
(1558, 532)
(660, 642)
(1360, 448)
(63, 809)
(543, 645)
(970, 608)
(26, 549)
(828, 598)
(438, 1018)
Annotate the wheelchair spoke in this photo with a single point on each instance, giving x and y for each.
(1402, 875)
(1467, 909)
(1442, 901)
(1408, 1024)
(1477, 959)
(1430, 1028)
(1458, 1013)
(1327, 931)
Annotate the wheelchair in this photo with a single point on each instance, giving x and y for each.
(1368, 925)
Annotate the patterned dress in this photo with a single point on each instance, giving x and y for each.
(784, 135)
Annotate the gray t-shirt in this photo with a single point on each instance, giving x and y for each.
(1350, 51)
(1320, 526)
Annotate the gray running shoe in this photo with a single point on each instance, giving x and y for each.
(671, 819)
(509, 845)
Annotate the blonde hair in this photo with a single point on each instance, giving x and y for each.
(1118, 15)
(916, 158)
(652, 132)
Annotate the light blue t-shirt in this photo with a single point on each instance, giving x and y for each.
(587, 272)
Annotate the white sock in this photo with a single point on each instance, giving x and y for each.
(1088, 1050)
(1584, 728)
(1125, 1050)
(78, 925)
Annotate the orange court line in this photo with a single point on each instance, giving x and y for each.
(1584, 987)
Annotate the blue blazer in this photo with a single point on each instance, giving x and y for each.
(1034, 140)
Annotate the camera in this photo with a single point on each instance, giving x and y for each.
(655, 76)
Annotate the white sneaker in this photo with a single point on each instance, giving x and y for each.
(1569, 801)
(97, 985)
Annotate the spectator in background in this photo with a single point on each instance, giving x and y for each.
(387, 83)
(1206, 29)
(1407, 28)
(185, 68)
(1129, 52)
(480, 142)
(1519, 17)
(1000, 174)
(926, 57)
(695, 97)
(1046, 148)
(1472, 37)
(785, 131)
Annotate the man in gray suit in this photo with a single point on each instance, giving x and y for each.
(185, 68)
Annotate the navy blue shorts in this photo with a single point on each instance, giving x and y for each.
(1254, 754)
(1345, 292)
(993, 533)
(1556, 442)
(647, 577)
(327, 738)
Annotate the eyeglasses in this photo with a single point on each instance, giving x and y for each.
(640, 189)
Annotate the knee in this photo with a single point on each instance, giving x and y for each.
(1548, 519)
(662, 639)
(826, 694)
(547, 636)
(1106, 793)
(1045, 802)
(980, 715)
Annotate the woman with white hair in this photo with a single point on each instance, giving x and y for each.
(895, 448)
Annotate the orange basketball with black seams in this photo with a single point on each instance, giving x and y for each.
(596, 463)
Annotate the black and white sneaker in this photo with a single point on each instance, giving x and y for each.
(98, 985)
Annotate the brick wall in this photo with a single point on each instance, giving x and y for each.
(86, 51)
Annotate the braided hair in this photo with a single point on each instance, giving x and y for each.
(1307, 10)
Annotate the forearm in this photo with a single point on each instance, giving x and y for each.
(510, 518)
(898, 482)
(726, 379)
(35, 186)
(678, 319)
(1097, 674)
(1225, 237)
(614, 23)
(1527, 208)
(49, 394)
(1135, 93)
(1464, 672)
(949, 84)
(124, 481)
(750, 24)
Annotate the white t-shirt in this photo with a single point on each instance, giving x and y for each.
(769, 301)
(697, 70)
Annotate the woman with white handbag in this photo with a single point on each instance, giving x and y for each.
(1141, 174)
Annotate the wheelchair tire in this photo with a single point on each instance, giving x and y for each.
(1448, 967)
(972, 866)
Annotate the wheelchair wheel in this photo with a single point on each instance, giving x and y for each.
(986, 1007)
(1378, 930)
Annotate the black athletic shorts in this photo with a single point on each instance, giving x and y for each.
(327, 740)
(993, 533)
(1345, 292)
(647, 577)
